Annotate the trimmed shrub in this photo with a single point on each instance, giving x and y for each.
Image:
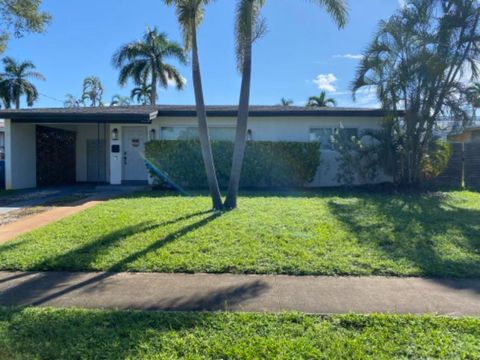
(267, 164)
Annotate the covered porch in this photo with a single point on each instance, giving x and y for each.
(66, 146)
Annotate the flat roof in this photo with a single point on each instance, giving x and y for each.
(145, 114)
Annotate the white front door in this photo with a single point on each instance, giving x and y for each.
(134, 138)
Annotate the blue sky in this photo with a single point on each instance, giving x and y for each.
(302, 51)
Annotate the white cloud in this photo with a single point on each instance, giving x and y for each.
(365, 98)
(466, 75)
(349, 56)
(172, 83)
(402, 3)
(326, 82)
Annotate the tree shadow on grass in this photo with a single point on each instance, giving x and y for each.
(75, 334)
(429, 233)
(41, 288)
(81, 258)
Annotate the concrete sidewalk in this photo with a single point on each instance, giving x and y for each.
(180, 292)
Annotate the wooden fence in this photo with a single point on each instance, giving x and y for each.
(463, 167)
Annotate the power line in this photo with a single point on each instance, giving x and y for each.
(52, 98)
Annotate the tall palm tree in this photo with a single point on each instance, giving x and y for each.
(119, 100)
(5, 94)
(92, 91)
(142, 94)
(321, 101)
(190, 14)
(249, 27)
(286, 102)
(145, 59)
(71, 101)
(473, 95)
(16, 82)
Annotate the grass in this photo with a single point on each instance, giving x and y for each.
(35, 333)
(322, 233)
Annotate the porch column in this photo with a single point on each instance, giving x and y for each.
(116, 158)
(20, 156)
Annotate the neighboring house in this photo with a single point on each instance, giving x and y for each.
(467, 135)
(106, 144)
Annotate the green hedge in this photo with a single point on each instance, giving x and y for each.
(267, 164)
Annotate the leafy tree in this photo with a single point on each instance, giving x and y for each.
(190, 14)
(249, 27)
(119, 100)
(19, 17)
(142, 94)
(145, 59)
(286, 102)
(321, 101)
(16, 83)
(92, 91)
(417, 61)
(71, 101)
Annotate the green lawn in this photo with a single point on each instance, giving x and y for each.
(35, 333)
(298, 233)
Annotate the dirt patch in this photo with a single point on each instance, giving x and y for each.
(48, 205)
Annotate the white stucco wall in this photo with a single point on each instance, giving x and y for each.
(20, 156)
(116, 159)
(289, 129)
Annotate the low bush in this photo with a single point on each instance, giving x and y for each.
(267, 164)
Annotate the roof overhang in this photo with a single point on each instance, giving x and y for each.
(79, 117)
(145, 114)
(275, 112)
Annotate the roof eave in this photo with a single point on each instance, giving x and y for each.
(81, 118)
(286, 113)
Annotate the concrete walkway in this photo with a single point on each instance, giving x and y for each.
(14, 229)
(179, 292)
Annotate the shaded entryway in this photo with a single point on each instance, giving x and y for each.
(56, 156)
(96, 161)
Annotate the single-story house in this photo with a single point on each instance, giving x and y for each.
(467, 135)
(105, 145)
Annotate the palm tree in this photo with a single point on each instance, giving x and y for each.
(321, 101)
(92, 91)
(71, 101)
(249, 27)
(5, 95)
(142, 94)
(415, 63)
(286, 102)
(119, 100)
(473, 96)
(190, 14)
(145, 59)
(16, 82)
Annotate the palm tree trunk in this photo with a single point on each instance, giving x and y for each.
(17, 102)
(153, 93)
(242, 120)
(203, 126)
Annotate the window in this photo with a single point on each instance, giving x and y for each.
(350, 132)
(179, 133)
(324, 136)
(190, 133)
